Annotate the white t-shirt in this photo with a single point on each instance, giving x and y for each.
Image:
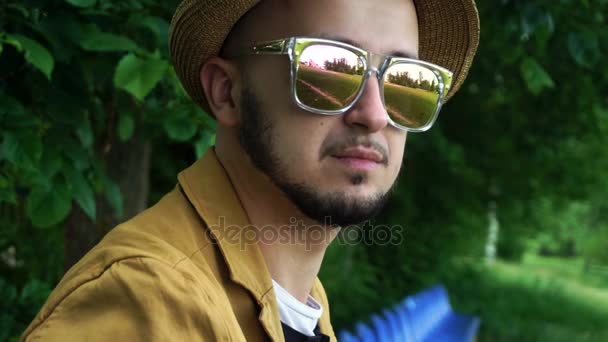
(299, 316)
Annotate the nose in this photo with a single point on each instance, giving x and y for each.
(368, 112)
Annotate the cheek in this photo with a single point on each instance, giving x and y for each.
(271, 77)
(299, 137)
(297, 134)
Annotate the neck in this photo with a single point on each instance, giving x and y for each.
(292, 245)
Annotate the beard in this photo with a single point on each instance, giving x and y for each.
(256, 137)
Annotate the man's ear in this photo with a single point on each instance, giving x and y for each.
(221, 82)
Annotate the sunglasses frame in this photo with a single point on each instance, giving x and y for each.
(294, 46)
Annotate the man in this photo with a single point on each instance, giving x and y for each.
(313, 101)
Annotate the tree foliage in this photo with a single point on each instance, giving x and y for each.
(82, 84)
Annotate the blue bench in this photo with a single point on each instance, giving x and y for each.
(426, 316)
(432, 318)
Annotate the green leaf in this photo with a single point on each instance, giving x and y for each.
(535, 19)
(35, 291)
(126, 126)
(206, 140)
(179, 126)
(206, 120)
(82, 192)
(156, 25)
(50, 162)
(24, 10)
(85, 132)
(79, 155)
(81, 3)
(22, 148)
(180, 130)
(114, 197)
(535, 76)
(139, 76)
(584, 48)
(48, 206)
(10, 40)
(102, 41)
(36, 54)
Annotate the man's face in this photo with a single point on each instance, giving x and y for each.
(319, 161)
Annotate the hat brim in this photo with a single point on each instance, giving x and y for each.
(448, 29)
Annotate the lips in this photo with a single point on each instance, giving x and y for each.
(361, 153)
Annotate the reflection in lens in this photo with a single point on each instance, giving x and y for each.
(328, 77)
(411, 92)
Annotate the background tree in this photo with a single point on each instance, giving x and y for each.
(90, 115)
(341, 65)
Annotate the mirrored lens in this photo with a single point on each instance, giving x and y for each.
(411, 92)
(328, 77)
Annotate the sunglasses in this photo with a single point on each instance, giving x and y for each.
(328, 77)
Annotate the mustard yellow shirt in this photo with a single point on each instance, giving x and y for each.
(175, 272)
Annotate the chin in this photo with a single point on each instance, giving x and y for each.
(358, 192)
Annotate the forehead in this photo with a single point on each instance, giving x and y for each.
(381, 26)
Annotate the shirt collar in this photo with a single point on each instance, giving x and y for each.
(212, 194)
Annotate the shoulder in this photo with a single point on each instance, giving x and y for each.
(130, 297)
(142, 272)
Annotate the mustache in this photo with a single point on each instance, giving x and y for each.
(337, 146)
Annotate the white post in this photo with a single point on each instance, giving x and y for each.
(493, 229)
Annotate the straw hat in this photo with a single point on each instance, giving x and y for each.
(448, 29)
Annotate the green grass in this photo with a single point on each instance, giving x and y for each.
(569, 268)
(414, 105)
(530, 301)
(411, 107)
(342, 85)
